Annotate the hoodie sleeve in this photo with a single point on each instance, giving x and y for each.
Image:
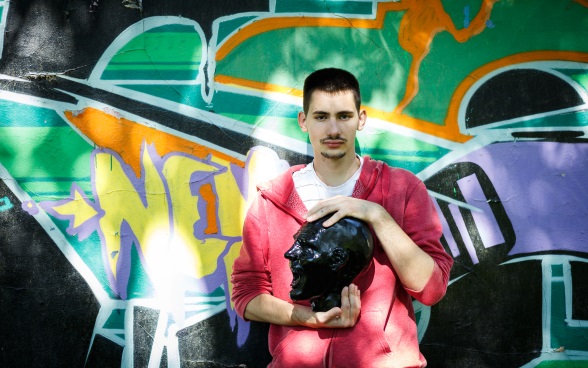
(251, 276)
(422, 225)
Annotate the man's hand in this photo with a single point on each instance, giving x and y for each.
(341, 206)
(343, 317)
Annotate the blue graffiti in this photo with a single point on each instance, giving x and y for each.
(5, 204)
(466, 13)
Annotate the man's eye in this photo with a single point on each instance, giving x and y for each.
(345, 117)
(320, 117)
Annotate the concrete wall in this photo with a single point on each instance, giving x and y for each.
(132, 135)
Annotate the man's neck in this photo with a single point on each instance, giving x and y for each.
(334, 172)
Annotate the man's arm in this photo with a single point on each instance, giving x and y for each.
(413, 265)
(267, 308)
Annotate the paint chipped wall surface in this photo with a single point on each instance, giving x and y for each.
(132, 136)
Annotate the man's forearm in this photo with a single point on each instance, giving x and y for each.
(268, 308)
(413, 266)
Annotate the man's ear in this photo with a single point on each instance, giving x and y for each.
(302, 121)
(362, 119)
(339, 258)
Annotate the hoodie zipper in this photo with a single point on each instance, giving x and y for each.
(328, 357)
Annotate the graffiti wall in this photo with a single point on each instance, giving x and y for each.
(133, 134)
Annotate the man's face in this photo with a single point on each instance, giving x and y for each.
(332, 122)
(310, 262)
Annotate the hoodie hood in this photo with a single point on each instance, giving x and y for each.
(282, 186)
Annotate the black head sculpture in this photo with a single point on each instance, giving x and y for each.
(324, 260)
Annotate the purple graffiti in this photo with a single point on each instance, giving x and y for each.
(542, 187)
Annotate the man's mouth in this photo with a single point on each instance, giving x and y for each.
(333, 144)
(333, 141)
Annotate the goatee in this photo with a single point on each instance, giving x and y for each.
(337, 155)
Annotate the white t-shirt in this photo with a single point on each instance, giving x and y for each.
(312, 190)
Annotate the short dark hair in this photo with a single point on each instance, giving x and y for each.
(330, 80)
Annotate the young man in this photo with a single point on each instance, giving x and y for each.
(375, 325)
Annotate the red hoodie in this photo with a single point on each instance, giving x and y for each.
(385, 334)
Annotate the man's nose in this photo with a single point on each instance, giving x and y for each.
(333, 126)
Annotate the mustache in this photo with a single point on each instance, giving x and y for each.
(333, 138)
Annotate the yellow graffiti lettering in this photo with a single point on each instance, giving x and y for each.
(231, 205)
(184, 214)
(199, 255)
(120, 201)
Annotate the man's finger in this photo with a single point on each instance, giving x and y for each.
(322, 208)
(345, 306)
(315, 213)
(331, 316)
(354, 301)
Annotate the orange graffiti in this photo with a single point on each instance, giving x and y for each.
(419, 25)
(272, 24)
(583, 2)
(208, 196)
(449, 131)
(423, 20)
(227, 80)
(524, 57)
(126, 137)
(419, 10)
